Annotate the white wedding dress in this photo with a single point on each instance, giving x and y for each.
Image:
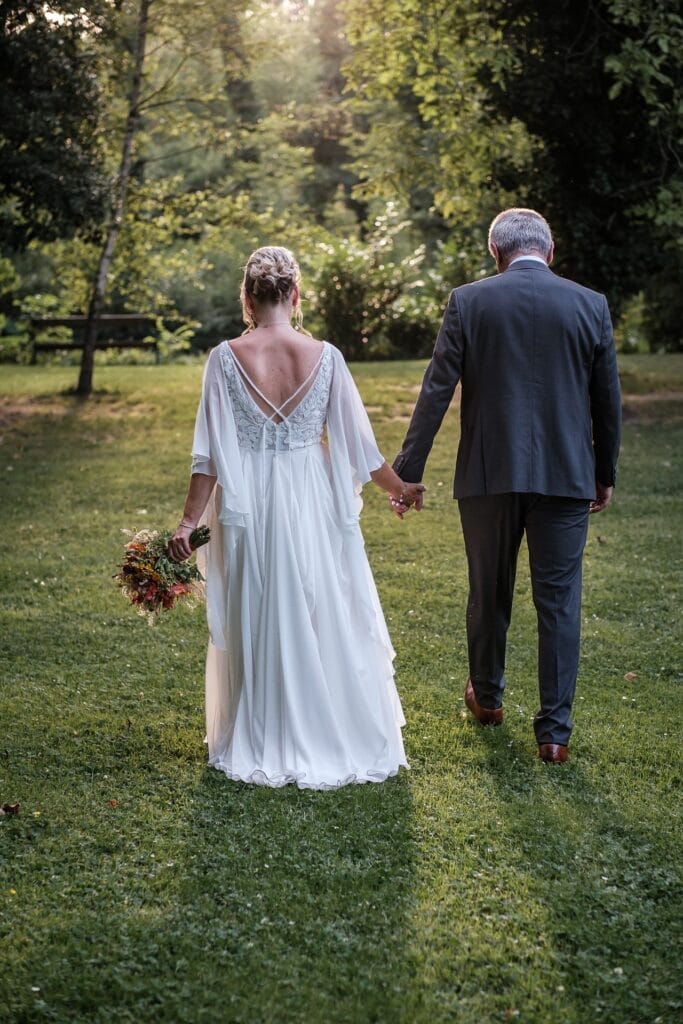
(299, 677)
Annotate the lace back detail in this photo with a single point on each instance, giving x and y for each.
(300, 428)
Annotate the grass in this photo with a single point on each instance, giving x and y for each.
(482, 886)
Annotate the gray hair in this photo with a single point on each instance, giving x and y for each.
(518, 230)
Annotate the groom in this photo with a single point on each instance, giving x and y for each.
(540, 427)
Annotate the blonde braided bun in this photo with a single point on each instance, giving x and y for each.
(270, 276)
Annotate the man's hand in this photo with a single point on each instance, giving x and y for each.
(604, 496)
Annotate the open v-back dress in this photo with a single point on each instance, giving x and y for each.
(299, 678)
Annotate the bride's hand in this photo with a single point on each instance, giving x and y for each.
(178, 547)
(410, 495)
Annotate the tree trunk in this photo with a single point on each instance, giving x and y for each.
(96, 303)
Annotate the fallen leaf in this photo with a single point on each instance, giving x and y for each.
(9, 809)
(113, 803)
(630, 676)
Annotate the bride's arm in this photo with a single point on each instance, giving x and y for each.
(198, 494)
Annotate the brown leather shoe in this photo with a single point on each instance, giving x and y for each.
(553, 753)
(486, 716)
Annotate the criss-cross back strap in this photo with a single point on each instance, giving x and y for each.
(277, 411)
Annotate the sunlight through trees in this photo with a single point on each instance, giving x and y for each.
(376, 139)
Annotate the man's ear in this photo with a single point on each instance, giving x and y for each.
(551, 253)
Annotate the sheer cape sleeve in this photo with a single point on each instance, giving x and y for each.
(215, 452)
(354, 454)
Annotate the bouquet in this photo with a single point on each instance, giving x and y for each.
(151, 580)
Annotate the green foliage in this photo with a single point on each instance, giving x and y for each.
(355, 287)
(171, 341)
(8, 277)
(13, 344)
(574, 108)
(51, 180)
(647, 60)
(481, 886)
(608, 157)
(298, 123)
(432, 128)
(629, 332)
(8, 282)
(663, 315)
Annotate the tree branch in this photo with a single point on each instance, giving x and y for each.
(178, 99)
(176, 152)
(159, 46)
(174, 74)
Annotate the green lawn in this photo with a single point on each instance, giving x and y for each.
(482, 886)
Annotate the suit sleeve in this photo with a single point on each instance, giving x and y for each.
(440, 379)
(605, 404)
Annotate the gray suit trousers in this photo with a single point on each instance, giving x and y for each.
(493, 526)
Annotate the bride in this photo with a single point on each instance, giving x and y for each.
(299, 678)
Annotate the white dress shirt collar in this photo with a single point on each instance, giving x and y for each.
(539, 259)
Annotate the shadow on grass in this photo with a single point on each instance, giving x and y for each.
(307, 894)
(214, 901)
(605, 882)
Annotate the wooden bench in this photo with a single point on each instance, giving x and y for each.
(77, 323)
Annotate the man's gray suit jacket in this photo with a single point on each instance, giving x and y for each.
(541, 406)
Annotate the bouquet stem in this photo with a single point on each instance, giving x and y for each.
(199, 536)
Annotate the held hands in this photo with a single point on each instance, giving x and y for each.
(410, 496)
(604, 496)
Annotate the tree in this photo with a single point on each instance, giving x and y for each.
(607, 172)
(572, 107)
(170, 89)
(51, 179)
(118, 204)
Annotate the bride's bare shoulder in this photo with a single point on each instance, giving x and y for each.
(237, 342)
(305, 343)
(297, 345)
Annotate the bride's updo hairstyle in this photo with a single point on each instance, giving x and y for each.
(270, 276)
